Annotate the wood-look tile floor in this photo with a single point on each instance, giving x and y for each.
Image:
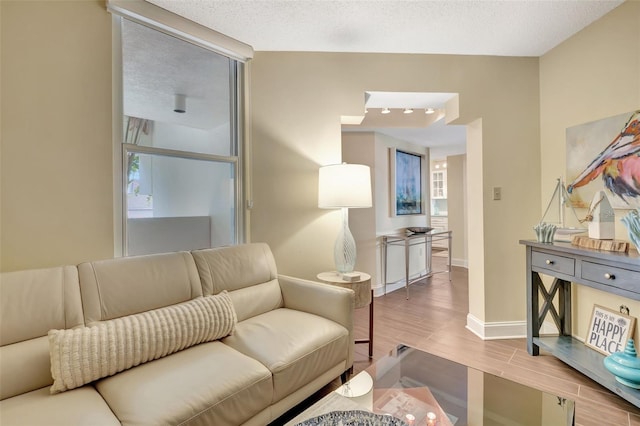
(434, 319)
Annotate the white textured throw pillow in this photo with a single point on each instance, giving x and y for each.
(82, 355)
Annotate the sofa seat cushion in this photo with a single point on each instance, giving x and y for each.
(81, 406)
(295, 346)
(206, 384)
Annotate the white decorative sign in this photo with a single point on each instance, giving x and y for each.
(608, 330)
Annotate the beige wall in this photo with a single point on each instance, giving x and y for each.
(593, 75)
(56, 170)
(359, 148)
(475, 219)
(297, 100)
(456, 206)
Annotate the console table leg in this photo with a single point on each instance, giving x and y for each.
(533, 307)
(565, 308)
(406, 266)
(371, 326)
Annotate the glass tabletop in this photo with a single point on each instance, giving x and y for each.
(424, 389)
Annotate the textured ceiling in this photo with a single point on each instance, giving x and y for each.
(474, 27)
(462, 27)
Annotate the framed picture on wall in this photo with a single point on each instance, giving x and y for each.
(406, 175)
(602, 155)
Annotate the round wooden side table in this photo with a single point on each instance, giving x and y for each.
(364, 296)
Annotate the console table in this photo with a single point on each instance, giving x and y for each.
(617, 273)
(407, 240)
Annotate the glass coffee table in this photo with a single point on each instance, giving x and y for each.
(412, 387)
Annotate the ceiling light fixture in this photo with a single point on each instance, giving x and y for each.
(408, 110)
(429, 111)
(386, 111)
(180, 105)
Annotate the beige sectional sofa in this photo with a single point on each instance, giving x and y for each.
(288, 338)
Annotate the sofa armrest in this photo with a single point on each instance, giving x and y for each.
(331, 302)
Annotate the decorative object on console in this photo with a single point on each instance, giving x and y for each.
(625, 366)
(344, 186)
(545, 232)
(608, 245)
(608, 330)
(419, 229)
(601, 218)
(559, 201)
(632, 222)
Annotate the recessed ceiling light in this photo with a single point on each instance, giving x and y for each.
(429, 111)
(386, 111)
(408, 110)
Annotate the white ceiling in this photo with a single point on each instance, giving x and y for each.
(461, 27)
(418, 128)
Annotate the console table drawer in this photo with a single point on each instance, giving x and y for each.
(564, 265)
(609, 275)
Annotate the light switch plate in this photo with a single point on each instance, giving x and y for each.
(497, 193)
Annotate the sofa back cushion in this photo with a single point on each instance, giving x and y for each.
(33, 302)
(247, 271)
(123, 286)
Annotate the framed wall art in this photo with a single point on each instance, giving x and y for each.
(605, 155)
(406, 175)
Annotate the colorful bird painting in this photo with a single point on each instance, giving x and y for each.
(618, 163)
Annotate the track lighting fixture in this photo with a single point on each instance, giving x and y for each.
(429, 111)
(408, 110)
(386, 111)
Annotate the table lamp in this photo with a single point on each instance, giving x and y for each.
(344, 186)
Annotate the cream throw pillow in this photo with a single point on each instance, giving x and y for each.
(82, 355)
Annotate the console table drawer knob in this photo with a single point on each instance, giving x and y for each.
(549, 262)
(609, 276)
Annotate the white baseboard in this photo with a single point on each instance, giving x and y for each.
(496, 330)
(504, 330)
(462, 263)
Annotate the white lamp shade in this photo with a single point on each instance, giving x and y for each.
(344, 185)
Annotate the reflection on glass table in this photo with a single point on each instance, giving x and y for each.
(424, 389)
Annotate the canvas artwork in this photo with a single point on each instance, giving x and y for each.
(408, 184)
(605, 155)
